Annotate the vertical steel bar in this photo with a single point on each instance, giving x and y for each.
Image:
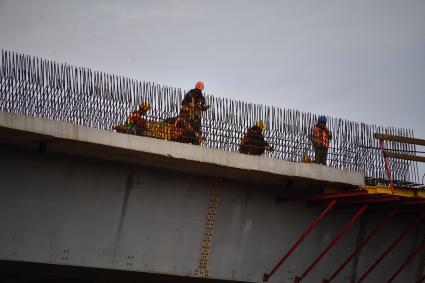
(363, 244)
(387, 166)
(33, 86)
(322, 215)
(341, 233)
(392, 246)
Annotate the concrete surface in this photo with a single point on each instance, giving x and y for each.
(78, 140)
(67, 210)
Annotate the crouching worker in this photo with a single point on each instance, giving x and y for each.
(136, 121)
(253, 141)
(321, 138)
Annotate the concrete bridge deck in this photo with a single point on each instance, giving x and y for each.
(79, 140)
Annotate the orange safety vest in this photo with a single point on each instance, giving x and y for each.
(321, 136)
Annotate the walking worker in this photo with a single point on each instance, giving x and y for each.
(253, 141)
(321, 138)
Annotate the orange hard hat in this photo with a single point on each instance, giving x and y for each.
(199, 85)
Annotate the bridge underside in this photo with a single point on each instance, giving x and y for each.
(67, 210)
(26, 272)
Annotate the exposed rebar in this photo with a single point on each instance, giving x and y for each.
(42, 88)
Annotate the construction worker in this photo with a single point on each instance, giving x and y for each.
(183, 131)
(192, 106)
(136, 121)
(195, 97)
(321, 138)
(253, 140)
(138, 117)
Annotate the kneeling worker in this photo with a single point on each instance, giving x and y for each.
(253, 140)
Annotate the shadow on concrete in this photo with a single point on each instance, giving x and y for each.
(27, 272)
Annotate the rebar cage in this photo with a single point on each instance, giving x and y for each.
(47, 89)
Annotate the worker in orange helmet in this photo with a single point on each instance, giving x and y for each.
(193, 105)
(321, 138)
(200, 85)
(195, 96)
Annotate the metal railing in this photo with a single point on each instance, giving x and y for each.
(42, 88)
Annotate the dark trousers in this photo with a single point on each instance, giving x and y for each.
(321, 153)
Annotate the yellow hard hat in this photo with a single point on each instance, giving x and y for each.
(260, 124)
(145, 106)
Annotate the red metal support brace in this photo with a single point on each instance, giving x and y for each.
(406, 232)
(341, 233)
(363, 244)
(322, 215)
(408, 259)
(326, 196)
(367, 200)
(387, 166)
(413, 201)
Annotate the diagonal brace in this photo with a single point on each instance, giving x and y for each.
(341, 233)
(322, 215)
(406, 232)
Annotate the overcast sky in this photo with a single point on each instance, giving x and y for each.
(363, 60)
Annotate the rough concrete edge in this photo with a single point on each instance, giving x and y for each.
(64, 130)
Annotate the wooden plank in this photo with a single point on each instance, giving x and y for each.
(399, 139)
(404, 156)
